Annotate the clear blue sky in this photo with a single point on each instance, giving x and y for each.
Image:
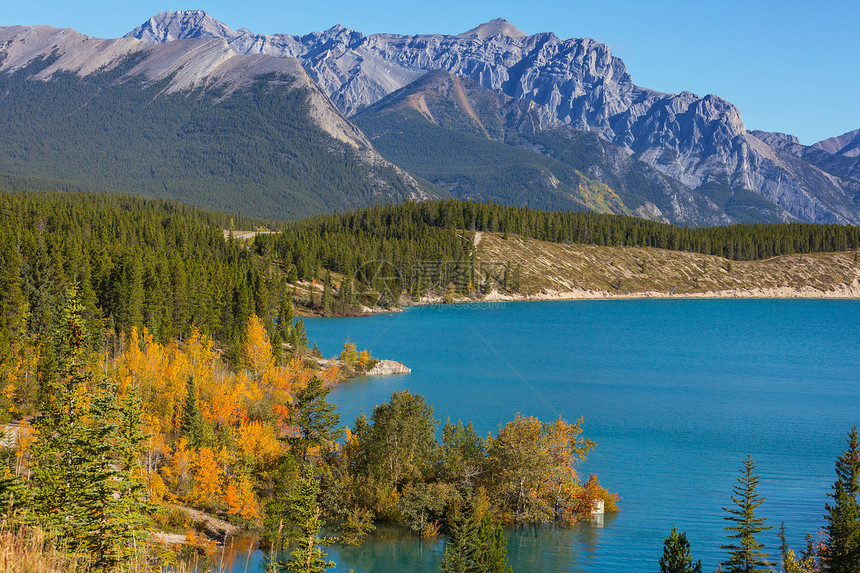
(788, 65)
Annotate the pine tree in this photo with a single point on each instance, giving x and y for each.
(190, 421)
(745, 554)
(298, 337)
(347, 293)
(462, 549)
(316, 419)
(13, 305)
(493, 547)
(85, 454)
(285, 316)
(841, 552)
(676, 555)
(848, 464)
(326, 294)
(304, 528)
(474, 546)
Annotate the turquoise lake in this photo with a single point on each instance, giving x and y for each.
(675, 393)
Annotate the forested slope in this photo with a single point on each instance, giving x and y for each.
(256, 150)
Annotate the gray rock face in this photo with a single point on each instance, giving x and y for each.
(181, 25)
(695, 141)
(847, 144)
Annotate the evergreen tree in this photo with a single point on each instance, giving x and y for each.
(462, 549)
(298, 337)
(278, 502)
(783, 546)
(745, 552)
(326, 294)
(316, 419)
(191, 421)
(474, 546)
(841, 552)
(84, 457)
(493, 547)
(515, 282)
(848, 464)
(304, 528)
(285, 316)
(347, 293)
(676, 555)
(13, 305)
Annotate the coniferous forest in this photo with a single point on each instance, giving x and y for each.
(152, 365)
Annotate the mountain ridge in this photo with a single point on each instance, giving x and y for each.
(682, 158)
(698, 141)
(261, 157)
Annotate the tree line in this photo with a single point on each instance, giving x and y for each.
(168, 267)
(736, 242)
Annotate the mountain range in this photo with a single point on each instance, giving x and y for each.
(285, 126)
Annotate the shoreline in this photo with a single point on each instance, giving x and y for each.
(840, 292)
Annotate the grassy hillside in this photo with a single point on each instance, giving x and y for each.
(548, 268)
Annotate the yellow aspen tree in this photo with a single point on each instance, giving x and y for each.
(256, 349)
(208, 476)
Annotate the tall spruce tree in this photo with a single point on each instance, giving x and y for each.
(677, 557)
(316, 419)
(841, 552)
(745, 552)
(493, 547)
(190, 421)
(462, 549)
(304, 529)
(327, 298)
(84, 487)
(299, 337)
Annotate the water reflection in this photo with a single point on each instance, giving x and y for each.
(550, 549)
(545, 549)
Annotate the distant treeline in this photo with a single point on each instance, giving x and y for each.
(411, 225)
(138, 263)
(167, 267)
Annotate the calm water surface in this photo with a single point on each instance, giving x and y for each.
(675, 393)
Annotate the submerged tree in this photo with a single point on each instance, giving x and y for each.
(676, 555)
(474, 545)
(461, 550)
(745, 552)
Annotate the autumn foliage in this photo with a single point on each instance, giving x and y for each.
(223, 462)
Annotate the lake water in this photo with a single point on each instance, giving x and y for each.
(675, 393)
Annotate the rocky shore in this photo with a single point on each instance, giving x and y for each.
(388, 367)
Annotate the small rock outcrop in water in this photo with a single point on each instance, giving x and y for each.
(388, 367)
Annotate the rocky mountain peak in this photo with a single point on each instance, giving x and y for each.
(687, 140)
(181, 25)
(775, 138)
(847, 144)
(495, 27)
